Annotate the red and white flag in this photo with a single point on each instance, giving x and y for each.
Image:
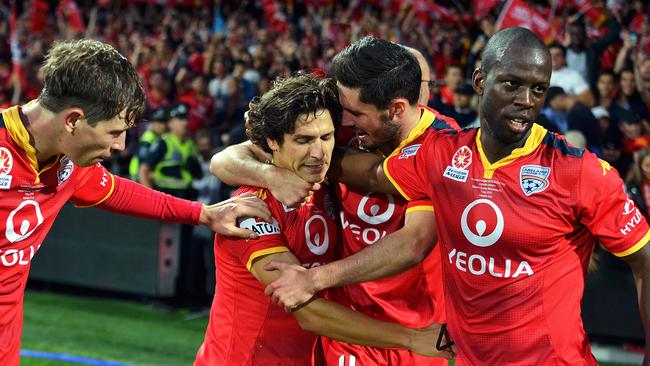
(516, 13)
(69, 12)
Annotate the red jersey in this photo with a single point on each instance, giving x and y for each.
(413, 298)
(30, 198)
(245, 327)
(516, 238)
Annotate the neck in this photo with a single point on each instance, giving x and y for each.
(44, 135)
(496, 150)
(410, 119)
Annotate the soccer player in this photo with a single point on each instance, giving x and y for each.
(381, 73)
(518, 212)
(50, 151)
(294, 122)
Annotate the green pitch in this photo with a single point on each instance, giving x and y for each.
(110, 330)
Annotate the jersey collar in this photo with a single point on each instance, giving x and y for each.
(19, 134)
(533, 141)
(426, 120)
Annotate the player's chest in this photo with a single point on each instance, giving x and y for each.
(517, 210)
(29, 205)
(367, 217)
(311, 230)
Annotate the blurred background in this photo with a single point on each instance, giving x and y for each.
(142, 297)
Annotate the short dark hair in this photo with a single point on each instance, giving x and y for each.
(93, 76)
(498, 45)
(559, 47)
(382, 70)
(277, 110)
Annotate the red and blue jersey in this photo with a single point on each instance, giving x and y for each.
(31, 195)
(245, 327)
(516, 236)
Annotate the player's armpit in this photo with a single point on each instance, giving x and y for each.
(361, 170)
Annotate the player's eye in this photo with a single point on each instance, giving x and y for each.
(327, 137)
(539, 89)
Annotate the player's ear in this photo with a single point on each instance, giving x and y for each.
(478, 78)
(397, 107)
(72, 118)
(273, 145)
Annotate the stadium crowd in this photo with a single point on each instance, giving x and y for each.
(202, 62)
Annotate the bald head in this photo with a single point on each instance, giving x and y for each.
(505, 41)
(426, 75)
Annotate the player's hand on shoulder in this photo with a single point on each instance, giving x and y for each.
(293, 288)
(424, 342)
(222, 217)
(288, 187)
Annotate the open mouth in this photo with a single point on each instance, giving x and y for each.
(518, 125)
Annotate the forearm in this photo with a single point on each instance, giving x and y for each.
(643, 291)
(393, 254)
(361, 170)
(338, 322)
(639, 263)
(133, 199)
(621, 58)
(237, 165)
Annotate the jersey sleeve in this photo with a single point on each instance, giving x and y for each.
(419, 205)
(606, 210)
(270, 238)
(407, 168)
(93, 185)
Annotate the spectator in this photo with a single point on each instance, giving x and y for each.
(629, 98)
(583, 53)
(578, 116)
(156, 127)
(569, 79)
(632, 130)
(462, 110)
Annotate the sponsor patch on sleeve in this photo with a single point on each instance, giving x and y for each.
(259, 226)
(409, 151)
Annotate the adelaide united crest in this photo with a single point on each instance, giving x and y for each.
(534, 179)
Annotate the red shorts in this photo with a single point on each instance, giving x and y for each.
(342, 354)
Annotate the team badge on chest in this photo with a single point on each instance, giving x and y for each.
(65, 170)
(534, 179)
(461, 160)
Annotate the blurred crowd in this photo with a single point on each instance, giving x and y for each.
(202, 61)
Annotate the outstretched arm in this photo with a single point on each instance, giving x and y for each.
(392, 254)
(639, 262)
(244, 164)
(338, 322)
